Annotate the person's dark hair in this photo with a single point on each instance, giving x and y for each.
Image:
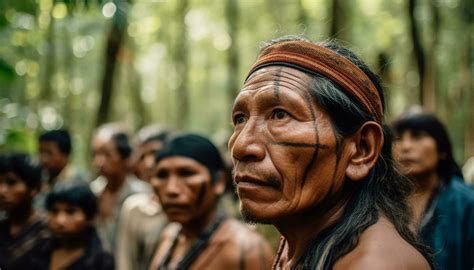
(74, 194)
(429, 123)
(196, 147)
(59, 136)
(160, 137)
(22, 166)
(383, 192)
(122, 143)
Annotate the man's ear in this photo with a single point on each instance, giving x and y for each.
(368, 142)
(219, 185)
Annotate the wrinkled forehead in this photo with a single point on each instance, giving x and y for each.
(278, 75)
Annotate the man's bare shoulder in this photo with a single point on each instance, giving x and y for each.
(381, 247)
(244, 247)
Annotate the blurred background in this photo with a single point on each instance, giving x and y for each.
(80, 63)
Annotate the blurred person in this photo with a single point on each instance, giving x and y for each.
(442, 205)
(111, 156)
(312, 156)
(74, 244)
(189, 178)
(468, 171)
(55, 149)
(141, 218)
(21, 227)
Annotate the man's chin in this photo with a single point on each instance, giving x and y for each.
(251, 218)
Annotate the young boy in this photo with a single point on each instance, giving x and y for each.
(21, 228)
(75, 244)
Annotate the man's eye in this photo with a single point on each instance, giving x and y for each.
(162, 174)
(279, 114)
(185, 172)
(238, 119)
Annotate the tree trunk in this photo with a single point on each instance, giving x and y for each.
(181, 62)
(49, 63)
(338, 15)
(417, 49)
(232, 13)
(302, 15)
(113, 44)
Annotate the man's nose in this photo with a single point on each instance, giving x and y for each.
(249, 145)
(172, 186)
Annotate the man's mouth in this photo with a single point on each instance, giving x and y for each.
(246, 179)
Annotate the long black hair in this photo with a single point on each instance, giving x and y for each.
(383, 192)
(429, 123)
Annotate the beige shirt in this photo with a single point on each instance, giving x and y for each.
(141, 223)
(107, 228)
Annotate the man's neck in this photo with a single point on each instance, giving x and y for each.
(19, 218)
(425, 183)
(193, 230)
(299, 230)
(116, 183)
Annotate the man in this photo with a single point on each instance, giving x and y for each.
(141, 218)
(55, 149)
(442, 205)
(189, 178)
(21, 229)
(311, 157)
(112, 150)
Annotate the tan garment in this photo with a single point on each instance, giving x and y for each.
(232, 246)
(141, 223)
(107, 228)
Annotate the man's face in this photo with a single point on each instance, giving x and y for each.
(416, 152)
(51, 158)
(67, 220)
(184, 188)
(14, 193)
(146, 159)
(285, 153)
(107, 159)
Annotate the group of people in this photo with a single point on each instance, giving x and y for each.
(311, 155)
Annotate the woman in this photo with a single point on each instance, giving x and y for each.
(442, 205)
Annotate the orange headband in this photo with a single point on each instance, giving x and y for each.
(317, 59)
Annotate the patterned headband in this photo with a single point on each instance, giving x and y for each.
(317, 59)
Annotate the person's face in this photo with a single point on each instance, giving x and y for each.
(14, 193)
(416, 153)
(66, 220)
(107, 159)
(184, 189)
(283, 147)
(51, 158)
(146, 159)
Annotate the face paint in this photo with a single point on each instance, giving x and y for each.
(288, 140)
(184, 188)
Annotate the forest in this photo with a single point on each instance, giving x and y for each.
(81, 63)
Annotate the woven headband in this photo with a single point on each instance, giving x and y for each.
(317, 59)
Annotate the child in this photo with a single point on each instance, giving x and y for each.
(21, 228)
(75, 244)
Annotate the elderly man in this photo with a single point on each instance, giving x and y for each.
(312, 158)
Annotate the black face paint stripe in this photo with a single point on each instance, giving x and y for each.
(201, 193)
(243, 253)
(276, 85)
(316, 135)
(303, 145)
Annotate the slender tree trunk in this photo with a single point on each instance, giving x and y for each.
(181, 58)
(49, 62)
(338, 17)
(417, 49)
(113, 44)
(232, 14)
(302, 14)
